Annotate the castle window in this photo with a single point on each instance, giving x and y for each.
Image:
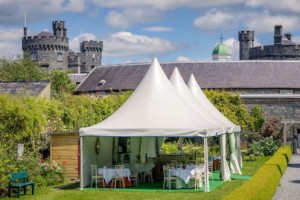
(59, 57)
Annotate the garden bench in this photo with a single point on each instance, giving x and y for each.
(18, 176)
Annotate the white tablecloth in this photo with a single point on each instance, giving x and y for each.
(108, 173)
(185, 174)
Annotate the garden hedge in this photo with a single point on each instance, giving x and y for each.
(264, 183)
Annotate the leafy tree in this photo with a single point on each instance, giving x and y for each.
(258, 117)
(232, 107)
(21, 69)
(61, 82)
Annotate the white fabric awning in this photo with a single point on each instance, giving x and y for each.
(154, 109)
(202, 99)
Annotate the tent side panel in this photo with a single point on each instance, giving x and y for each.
(88, 157)
(106, 152)
(64, 147)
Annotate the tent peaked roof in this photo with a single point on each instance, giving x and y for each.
(205, 114)
(154, 109)
(200, 96)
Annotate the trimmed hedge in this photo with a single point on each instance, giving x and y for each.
(264, 183)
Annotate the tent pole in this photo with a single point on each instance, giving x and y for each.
(206, 180)
(81, 164)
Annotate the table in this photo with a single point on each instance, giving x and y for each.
(184, 176)
(108, 173)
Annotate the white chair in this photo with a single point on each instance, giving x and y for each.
(134, 175)
(119, 176)
(168, 178)
(147, 173)
(96, 177)
(198, 177)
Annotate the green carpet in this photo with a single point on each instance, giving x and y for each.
(157, 186)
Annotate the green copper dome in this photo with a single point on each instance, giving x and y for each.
(221, 49)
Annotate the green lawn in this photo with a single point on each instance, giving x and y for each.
(249, 169)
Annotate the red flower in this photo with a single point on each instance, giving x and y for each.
(50, 163)
(65, 162)
(54, 166)
(59, 179)
(43, 160)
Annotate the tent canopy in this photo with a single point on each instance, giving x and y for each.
(154, 109)
(202, 99)
(180, 86)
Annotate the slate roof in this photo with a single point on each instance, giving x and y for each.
(45, 33)
(227, 75)
(77, 78)
(34, 88)
(288, 42)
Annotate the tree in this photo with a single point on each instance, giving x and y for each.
(21, 69)
(60, 82)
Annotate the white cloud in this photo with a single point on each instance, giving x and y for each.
(183, 59)
(74, 43)
(10, 42)
(276, 5)
(234, 46)
(127, 44)
(216, 19)
(129, 17)
(158, 29)
(12, 11)
(165, 4)
(263, 22)
(143, 60)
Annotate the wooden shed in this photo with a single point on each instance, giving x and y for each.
(66, 147)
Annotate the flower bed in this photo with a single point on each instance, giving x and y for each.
(264, 183)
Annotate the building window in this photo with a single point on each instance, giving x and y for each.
(286, 91)
(35, 57)
(59, 57)
(92, 67)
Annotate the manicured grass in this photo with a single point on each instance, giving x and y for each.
(249, 169)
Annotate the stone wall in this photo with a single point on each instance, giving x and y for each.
(283, 108)
(275, 52)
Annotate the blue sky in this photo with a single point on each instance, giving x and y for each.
(138, 30)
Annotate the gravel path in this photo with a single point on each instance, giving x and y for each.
(289, 187)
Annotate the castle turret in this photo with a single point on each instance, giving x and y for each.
(246, 39)
(91, 55)
(25, 31)
(59, 29)
(278, 34)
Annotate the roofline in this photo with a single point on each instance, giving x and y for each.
(206, 61)
(25, 81)
(85, 78)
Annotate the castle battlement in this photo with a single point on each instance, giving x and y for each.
(246, 35)
(91, 46)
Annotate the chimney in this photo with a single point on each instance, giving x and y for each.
(288, 36)
(278, 34)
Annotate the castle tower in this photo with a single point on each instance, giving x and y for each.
(59, 29)
(48, 50)
(246, 39)
(278, 34)
(91, 55)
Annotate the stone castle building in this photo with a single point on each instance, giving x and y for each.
(52, 50)
(282, 49)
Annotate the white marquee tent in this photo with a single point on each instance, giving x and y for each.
(154, 111)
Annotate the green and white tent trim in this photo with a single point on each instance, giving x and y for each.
(158, 109)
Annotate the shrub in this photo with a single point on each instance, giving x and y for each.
(264, 183)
